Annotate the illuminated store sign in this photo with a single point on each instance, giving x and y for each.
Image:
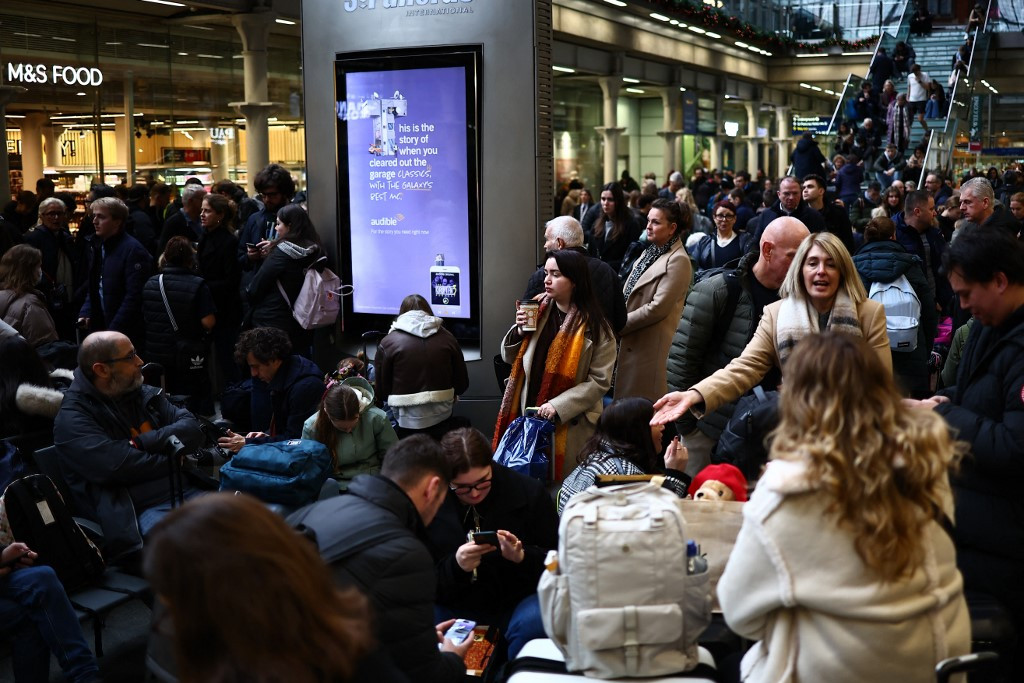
(353, 5)
(56, 74)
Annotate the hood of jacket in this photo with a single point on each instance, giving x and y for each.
(805, 144)
(294, 251)
(418, 323)
(883, 261)
(364, 392)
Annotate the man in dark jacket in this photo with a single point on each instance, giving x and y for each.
(978, 205)
(807, 157)
(286, 388)
(986, 409)
(837, 218)
(276, 188)
(185, 222)
(941, 191)
(110, 437)
(790, 203)
(719, 319)
(564, 232)
(917, 231)
(884, 260)
(881, 69)
(374, 538)
(118, 269)
(140, 225)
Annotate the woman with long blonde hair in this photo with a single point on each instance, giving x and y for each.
(844, 569)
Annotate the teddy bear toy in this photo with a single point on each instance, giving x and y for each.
(720, 482)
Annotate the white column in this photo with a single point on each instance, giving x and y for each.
(670, 132)
(715, 141)
(129, 139)
(783, 121)
(254, 28)
(51, 146)
(753, 142)
(7, 95)
(610, 86)
(32, 148)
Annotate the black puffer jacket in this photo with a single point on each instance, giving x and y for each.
(183, 289)
(884, 261)
(515, 503)
(986, 409)
(286, 264)
(394, 569)
(603, 280)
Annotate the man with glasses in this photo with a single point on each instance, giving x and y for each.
(110, 437)
(52, 238)
(373, 538)
(837, 219)
(185, 221)
(276, 188)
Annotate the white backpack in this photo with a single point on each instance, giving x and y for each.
(902, 312)
(319, 301)
(617, 600)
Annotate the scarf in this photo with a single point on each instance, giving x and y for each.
(563, 358)
(798, 319)
(651, 254)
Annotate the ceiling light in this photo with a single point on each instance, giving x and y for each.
(617, 3)
(26, 35)
(80, 94)
(115, 42)
(286, 22)
(563, 69)
(636, 91)
(205, 56)
(682, 89)
(64, 40)
(183, 54)
(857, 54)
(766, 53)
(627, 79)
(697, 29)
(674, 22)
(152, 45)
(815, 88)
(805, 85)
(166, 2)
(659, 17)
(818, 54)
(185, 123)
(198, 28)
(740, 43)
(712, 34)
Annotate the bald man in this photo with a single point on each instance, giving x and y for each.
(719, 319)
(110, 436)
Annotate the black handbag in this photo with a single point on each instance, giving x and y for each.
(191, 356)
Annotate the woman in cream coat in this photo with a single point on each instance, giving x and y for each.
(822, 291)
(843, 570)
(655, 292)
(564, 368)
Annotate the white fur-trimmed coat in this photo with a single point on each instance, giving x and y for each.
(32, 399)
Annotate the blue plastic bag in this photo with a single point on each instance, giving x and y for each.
(525, 447)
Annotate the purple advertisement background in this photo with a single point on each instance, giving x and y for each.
(407, 208)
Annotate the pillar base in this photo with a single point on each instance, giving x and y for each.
(257, 145)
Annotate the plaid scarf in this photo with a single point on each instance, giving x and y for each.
(560, 365)
(651, 254)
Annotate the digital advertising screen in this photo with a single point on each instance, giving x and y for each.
(408, 139)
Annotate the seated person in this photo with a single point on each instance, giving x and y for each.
(36, 614)
(491, 584)
(625, 444)
(356, 432)
(110, 437)
(30, 394)
(286, 388)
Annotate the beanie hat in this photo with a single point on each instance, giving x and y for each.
(729, 475)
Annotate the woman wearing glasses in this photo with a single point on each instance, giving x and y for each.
(54, 240)
(494, 581)
(726, 245)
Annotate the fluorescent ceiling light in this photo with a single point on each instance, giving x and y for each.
(697, 29)
(286, 22)
(637, 91)
(766, 53)
(712, 34)
(813, 55)
(627, 79)
(659, 17)
(166, 2)
(674, 22)
(206, 56)
(114, 42)
(563, 69)
(184, 123)
(80, 94)
(858, 54)
(64, 40)
(152, 45)
(617, 3)
(26, 35)
(183, 54)
(198, 28)
(682, 89)
(805, 85)
(21, 116)
(815, 88)
(740, 43)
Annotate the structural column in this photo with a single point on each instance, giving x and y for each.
(32, 148)
(254, 28)
(670, 132)
(610, 86)
(715, 141)
(51, 146)
(129, 119)
(7, 95)
(753, 142)
(220, 155)
(783, 121)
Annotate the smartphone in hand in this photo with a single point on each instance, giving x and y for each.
(460, 630)
(486, 538)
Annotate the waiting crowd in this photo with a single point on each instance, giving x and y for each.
(898, 336)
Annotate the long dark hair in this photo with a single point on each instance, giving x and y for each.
(19, 364)
(624, 431)
(573, 265)
(340, 402)
(620, 215)
(300, 228)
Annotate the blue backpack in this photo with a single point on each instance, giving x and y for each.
(289, 473)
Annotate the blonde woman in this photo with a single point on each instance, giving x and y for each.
(822, 291)
(844, 570)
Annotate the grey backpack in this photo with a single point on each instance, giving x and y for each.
(617, 599)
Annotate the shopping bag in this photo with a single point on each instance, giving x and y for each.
(525, 447)
(714, 524)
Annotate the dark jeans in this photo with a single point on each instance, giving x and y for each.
(35, 610)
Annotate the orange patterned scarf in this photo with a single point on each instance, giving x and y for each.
(563, 359)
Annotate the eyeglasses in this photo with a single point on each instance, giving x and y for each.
(725, 216)
(481, 485)
(132, 355)
(52, 214)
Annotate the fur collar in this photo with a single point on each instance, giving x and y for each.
(35, 400)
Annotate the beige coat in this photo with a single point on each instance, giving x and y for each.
(581, 405)
(795, 583)
(760, 355)
(653, 309)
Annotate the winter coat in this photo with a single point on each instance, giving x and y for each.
(102, 456)
(885, 261)
(362, 450)
(704, 252)
(611, 252)
(1002, 218)
(420, 370)
(396, 574)
(217, 265)
(653, 308)
(515, 503)
(35, 407)
(581, 405)
(286, 264)
(804, 213)
(807, 158)
(280, 407)
(696, 354)
(795, 583)
(603, 281)
(124, 269)
(986, 409)
(190, 301)
(848, 180)
(27, 313)
(910, 238)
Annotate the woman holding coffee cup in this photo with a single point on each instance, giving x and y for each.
(564, 367)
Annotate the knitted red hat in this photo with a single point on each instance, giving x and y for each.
(729, 475)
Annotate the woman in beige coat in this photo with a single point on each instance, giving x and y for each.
(843, 569)
(22, 306)
(655, 292)
(822, 290)
(564, 368)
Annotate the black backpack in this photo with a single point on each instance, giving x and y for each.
(743, 441)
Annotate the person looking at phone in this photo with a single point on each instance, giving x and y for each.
(276, 188)
(36, 613)
(490, 538)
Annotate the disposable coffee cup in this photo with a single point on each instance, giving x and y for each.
(532, 309)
